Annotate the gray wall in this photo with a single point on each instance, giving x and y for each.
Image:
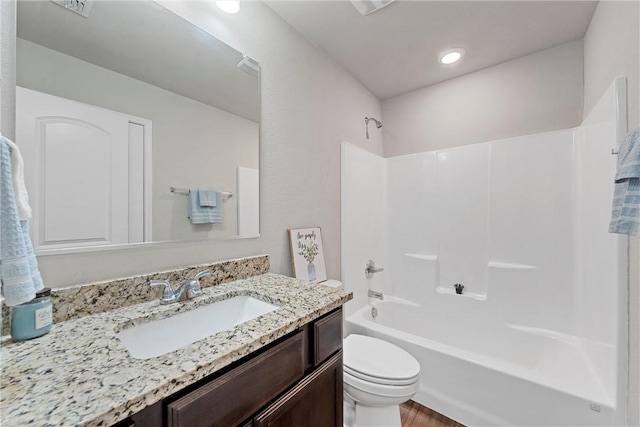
(309, 106)
(536, 93)
(612, 48)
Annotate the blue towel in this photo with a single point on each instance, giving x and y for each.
(207, 198)
(19, 269)
(204, 214)
(625, 213)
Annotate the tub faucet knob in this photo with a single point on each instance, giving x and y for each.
(371, 269)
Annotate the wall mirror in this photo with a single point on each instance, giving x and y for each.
(121, 108)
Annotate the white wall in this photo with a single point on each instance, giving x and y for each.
(7, 68)
(309, 105)
(364, 222)
(194, 144)
(536, 93)
(612, 48)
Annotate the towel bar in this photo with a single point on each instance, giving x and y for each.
(179, 190)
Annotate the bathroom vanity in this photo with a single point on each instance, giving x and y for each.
(281, 368)
(296, 380)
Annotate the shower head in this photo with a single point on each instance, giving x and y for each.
(378, 122)
(366, 122)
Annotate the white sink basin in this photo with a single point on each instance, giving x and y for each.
(162, 336)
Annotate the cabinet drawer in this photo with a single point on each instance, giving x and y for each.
(316, 401)
(236, 395)
(327, 336)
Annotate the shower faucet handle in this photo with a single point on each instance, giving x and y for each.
(371, 269)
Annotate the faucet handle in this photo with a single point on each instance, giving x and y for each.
(371, 269)
(202, 274)
(168, 296)
(194, 289)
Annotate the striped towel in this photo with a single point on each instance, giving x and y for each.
(625, 213)
(199, 214)
(19, 269)
(207, 198)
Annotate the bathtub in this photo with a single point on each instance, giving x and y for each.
(505, 376)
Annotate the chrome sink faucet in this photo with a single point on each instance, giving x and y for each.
(190, 287)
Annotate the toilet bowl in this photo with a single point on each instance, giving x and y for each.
(378, 377)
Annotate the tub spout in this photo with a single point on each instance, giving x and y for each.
(374, 294)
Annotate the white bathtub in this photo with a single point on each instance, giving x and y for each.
(507, 375)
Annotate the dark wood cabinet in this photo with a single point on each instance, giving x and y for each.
(316, 401)
(327, 332)
(295, 381)
(242, 391)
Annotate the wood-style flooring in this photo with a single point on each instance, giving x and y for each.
(414, 414)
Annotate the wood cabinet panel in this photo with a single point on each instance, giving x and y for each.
(314, 402)
(236, 395)
(327, 336)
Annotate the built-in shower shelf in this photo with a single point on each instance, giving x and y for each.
(479, 297)
(511, 266)
(423, 257)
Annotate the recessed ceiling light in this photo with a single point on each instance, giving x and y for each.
(229, 6)
(451, 56)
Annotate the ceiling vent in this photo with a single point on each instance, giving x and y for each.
(366, 7)
(249, 65)
(81, 7)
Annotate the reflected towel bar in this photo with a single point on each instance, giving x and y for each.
(179, 190)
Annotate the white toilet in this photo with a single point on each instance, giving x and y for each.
(378, 377)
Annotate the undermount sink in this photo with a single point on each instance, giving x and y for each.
(158, 337)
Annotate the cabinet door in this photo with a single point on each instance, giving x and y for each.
(315, 402)
(241, 392)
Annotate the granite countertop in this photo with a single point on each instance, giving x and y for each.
(80, 373)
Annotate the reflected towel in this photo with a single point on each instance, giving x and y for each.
(18, 266)
(625, 213)
(207, 198)
(204, 214)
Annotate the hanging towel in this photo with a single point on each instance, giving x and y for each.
(18, 266)
(625, 213)
(17, 173)
(207, 198)
(204, 214)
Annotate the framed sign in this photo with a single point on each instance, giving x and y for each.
(307, 257)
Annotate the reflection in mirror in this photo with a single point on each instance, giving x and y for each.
(115, 108)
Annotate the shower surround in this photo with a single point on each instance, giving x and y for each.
(540, 326)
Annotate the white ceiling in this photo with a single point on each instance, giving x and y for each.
(145, 41)
(395, 50)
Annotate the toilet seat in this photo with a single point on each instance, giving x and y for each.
(376, 380)
(376, 361)
(372, 390)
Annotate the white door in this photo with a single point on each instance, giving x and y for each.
(82, 188)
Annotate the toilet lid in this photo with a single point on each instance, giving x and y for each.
(378, 361)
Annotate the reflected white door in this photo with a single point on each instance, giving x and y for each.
(82, 187)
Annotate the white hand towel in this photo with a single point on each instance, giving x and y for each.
(17, 174)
